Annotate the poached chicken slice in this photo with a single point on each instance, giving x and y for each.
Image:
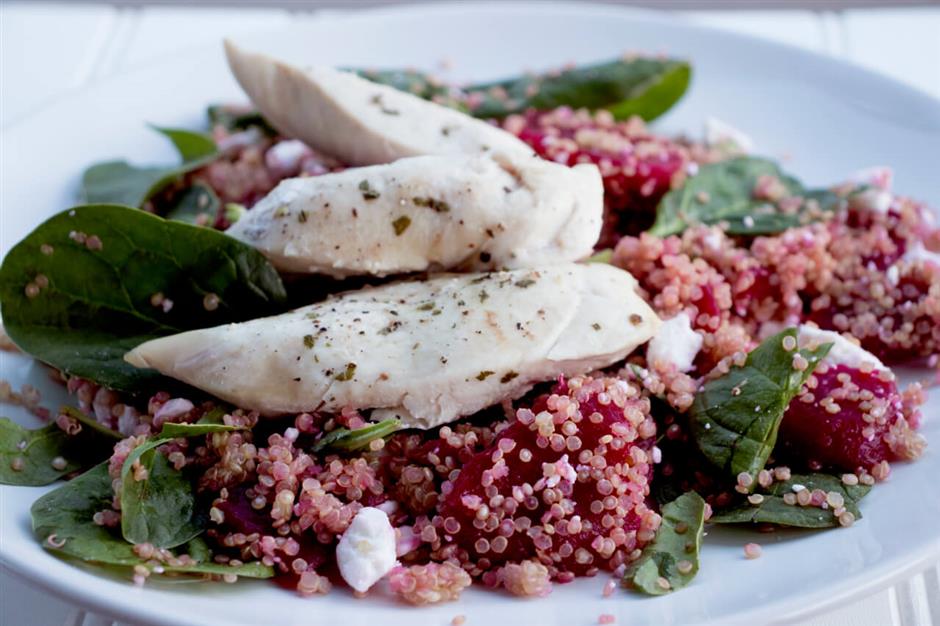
(355, 120)
(427, 352)
(429, 213)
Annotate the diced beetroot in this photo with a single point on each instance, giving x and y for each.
(567, 482)
(752, 289)
(241, 517)
(850, 420)
(637, 167)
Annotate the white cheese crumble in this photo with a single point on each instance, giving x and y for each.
(893, 274)
(719, 133)
(872, 200)
(675, 343)
(918, 252)
(843, 351)
(366, 551)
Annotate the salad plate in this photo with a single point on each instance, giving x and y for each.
(821, 118)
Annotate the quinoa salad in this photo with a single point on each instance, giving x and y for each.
(375, 330)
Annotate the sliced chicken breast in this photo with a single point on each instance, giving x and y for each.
(431, 212)
(427, 352)
(356, 120)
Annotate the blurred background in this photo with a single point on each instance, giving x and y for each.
(48, 49)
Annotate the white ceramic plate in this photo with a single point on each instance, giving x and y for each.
(826, 118)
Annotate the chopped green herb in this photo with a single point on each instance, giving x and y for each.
(427, 306)
(348, 373)
(485, 374)
(525, 282)
(401, 224)
(483, 296)
(368, 192)
(392, 327)
(309, 341)
(508, 377)
(596, 326)
(432, 203)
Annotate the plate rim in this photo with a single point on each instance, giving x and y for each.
(777, 611)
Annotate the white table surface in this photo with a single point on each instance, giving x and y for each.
(48, 49)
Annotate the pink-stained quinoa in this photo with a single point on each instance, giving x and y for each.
(557, 484)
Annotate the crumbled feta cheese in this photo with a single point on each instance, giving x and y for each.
(918, 252)
(713, 240)
(879, 176)
(893, 274)
(843, 351)
(366, 551)
(675, 343)
(719, 133)
(872, 199)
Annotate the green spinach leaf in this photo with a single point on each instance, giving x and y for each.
(65, 516)
(26, 456)
(601, 256)
(113, 277)
(671, 561)
(642, 86)
(774, 510)
(119, 182)
(647, 87)
(419, 84)
(192, 146)
(345, 440)
(161, 508)
(735, 417)
(723, 193)
(175, 431)
(238, 118)
(196, 205)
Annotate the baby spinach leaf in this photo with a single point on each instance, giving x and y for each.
(66, 516)
(673, 556)
(774, 510)
(345, 440)
(26, 455)
(237, 118)
(647, 87)
(735, 417)
(723, 193)
(192, 145)
(161, 508)
(119, 182)
(34, 451)
(601, 256)
(419, 84)
(197, 205)
(176, 431)
(116, 277)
